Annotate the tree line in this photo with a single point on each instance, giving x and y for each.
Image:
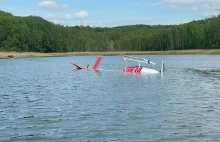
(34, 34)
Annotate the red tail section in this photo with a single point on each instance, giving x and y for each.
(77, 67)
(99, 59)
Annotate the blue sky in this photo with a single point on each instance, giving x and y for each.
(111, 13)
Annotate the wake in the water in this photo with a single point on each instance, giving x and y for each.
(205, 72)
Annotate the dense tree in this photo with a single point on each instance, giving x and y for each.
(33, 33)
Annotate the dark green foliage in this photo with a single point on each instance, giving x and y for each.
(35, 34)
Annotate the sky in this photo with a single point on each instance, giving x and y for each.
(112, 13)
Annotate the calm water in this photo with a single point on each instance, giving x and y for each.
(45, 99)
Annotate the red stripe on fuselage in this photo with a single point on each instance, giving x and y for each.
(133, 69)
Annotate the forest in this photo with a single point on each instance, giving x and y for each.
(34, 34)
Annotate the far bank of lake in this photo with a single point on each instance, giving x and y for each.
(4, 55)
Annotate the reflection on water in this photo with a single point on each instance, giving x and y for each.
(46, 99)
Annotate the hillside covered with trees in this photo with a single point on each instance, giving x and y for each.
(34, 34)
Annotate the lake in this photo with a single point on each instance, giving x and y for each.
(46, 99)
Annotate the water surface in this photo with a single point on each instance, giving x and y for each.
(46, 99)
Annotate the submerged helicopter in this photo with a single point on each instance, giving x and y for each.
(132, 69)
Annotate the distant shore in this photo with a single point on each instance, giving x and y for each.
(3, 55)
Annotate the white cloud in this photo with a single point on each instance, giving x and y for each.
(76, 16)
(179, 3)
(48, 4)
(80, 15)
(65, 6)
(58, 22)
(68, 17)
(203, 7)
(194, 8)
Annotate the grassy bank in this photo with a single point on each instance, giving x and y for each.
(4, 55)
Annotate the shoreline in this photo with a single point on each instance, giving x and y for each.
(3, 55)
